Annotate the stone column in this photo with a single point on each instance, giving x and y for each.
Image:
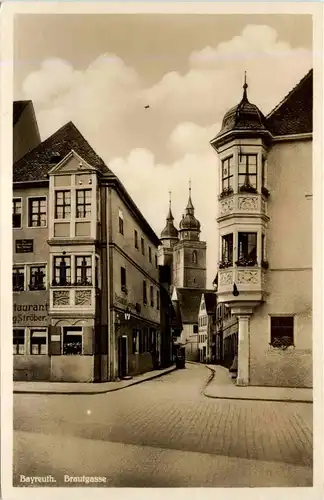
(243, 350)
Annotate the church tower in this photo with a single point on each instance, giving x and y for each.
(189, 253)
(169, 238)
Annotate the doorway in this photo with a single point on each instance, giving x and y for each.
(122, 356)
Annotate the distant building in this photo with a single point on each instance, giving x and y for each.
(265, 237)
(207, 327)
(185, 254)
(86, 291)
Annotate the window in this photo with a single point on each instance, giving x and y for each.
(62, 271)
(195, 328)
(227, 249)
(37, 212)
(83, 203)
(194, 257)
(150, 254)
(282, 331)
(19, 341)
(83, 270)
(247, 173)
(121, 222)
(156, 261)
(152, 296)
(18, 279)
(37, 278)
(134, 341)
(123, 279)
(158, 299)
(136, 239)
(227, 174)
(38, 343)
(72, 340)
(144, 292)
(247, 248)
(16, 212)
(140, 341)
(62, 204)
(142, 246)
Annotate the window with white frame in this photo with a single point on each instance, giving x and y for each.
(227, 249)
(62, 271)
(83, 270)
(282, 331)
(19, 341)
(37, 211)
(62, 204)
(37, 278)
(72, 340)
(247, 249)
(247, 171)
(16, 212)
(18, 279)
(83, 203)
(38, 341)
(227, 174)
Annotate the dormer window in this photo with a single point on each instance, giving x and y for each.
(247, 173)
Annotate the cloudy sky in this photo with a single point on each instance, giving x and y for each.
(100, 71)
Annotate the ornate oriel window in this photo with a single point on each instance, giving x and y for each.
(247, 249)
(247, 172)
(227, 174)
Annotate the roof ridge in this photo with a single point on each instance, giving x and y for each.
(285, 99)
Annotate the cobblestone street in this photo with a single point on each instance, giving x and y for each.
(169, 427)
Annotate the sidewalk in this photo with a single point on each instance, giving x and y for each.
(221, 386)
(85, 387)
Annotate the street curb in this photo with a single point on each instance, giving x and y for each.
(93, 393)
(212, 376)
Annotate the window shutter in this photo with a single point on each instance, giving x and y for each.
(88, 340)
(55, 339)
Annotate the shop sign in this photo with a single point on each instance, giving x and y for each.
(31, 308)
(24, 246)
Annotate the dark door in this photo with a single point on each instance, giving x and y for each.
(122, 356)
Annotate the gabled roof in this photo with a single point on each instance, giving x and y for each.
(35, 165)
(294, 114)
(18, 109)
(210, 302)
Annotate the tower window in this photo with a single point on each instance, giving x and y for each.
(194, 257)
(227, 249)
(227, 173)
(247, 249)
(247, 172)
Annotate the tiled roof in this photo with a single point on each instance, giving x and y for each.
(18, 108)
(210, 302)
(294, 114)
(34, 166)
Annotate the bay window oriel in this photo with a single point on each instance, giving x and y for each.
(228, 174)
(247, 249)
(247, 172)
(227, 249)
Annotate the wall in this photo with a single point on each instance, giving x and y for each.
(31, 367)
(72, 368)
(191, 339)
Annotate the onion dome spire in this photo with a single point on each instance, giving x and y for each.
(189, 222)
(169, 232)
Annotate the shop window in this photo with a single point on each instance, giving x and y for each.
(38, 341)
(227, 251)
(37, 278)
(19, 341)
(152, 296)
(18, 279)
(195, 328)
(123, 279)
(83, 269)
(136, 239)
(62, 271)
(227, 175)
(72, 340)
(142, 246)
(247, 173)
(37, 212)
(247, 249)
(158, 299)
(62, 204)
(16, 212)
(282, 331)
(144, 292)
(83, 203)
(121, 222)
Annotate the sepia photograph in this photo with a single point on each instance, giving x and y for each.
(162, 249)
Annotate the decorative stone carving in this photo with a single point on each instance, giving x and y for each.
(83, 297)
(61, 297)
(248, 203)
(248, 277)
(263, 206)
(226, 206)
(225, 278)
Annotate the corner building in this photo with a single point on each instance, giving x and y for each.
(265, 236)
(86, 290)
